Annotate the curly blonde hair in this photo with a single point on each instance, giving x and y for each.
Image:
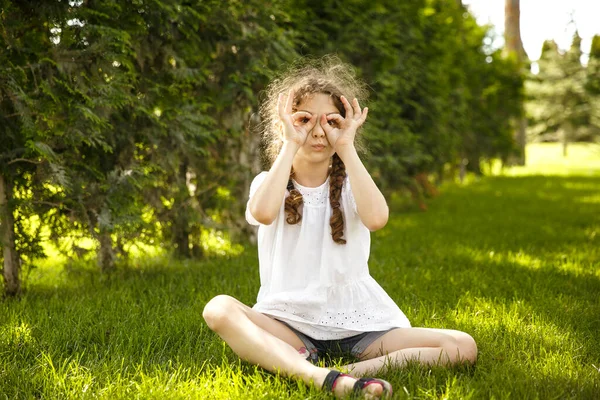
(327, 75)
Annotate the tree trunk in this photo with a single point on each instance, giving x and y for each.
(512, 28)
(565, 139)
(106, 252)
(521, 139)
(12, 283)
(473, 163)
(249, 160)
(181, 226)
(514, 46)
(462, 173)
(106, 256)
(181, 237)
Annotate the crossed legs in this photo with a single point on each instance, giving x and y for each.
(270, 344)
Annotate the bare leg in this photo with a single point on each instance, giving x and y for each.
(270, 344)
(427, 346)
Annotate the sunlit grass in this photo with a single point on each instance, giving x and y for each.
(513, 259)
(213, 242)
(547, 159)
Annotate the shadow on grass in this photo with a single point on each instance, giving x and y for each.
(510, 234)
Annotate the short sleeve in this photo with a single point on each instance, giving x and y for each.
(256, 182)
(349, 195)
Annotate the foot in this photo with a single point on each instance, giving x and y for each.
(343, 385)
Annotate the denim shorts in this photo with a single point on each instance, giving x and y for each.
(321, 350)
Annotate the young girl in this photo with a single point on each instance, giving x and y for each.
(315, 209)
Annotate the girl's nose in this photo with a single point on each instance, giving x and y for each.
(318, 131)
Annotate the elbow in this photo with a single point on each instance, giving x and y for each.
(376, 225)
(379, 221)
(261, 216)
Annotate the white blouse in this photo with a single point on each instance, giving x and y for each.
(321, 288)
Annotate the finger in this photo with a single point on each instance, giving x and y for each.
(347, 107)
(325, 124)
(356, 108)
(309, 126)
(363, 116)
(281, 105)
(337, 118)
(289, 102)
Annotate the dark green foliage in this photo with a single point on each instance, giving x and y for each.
(132, 121)
(435, 98)
(116, 107)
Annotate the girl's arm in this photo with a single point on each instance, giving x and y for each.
(370, 203)
(266, 202)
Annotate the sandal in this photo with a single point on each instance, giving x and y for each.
(332, 377)
(364, 382)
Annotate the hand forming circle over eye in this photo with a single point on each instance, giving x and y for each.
(342, 131)
(296, 126)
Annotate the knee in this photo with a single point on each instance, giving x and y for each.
(467, 348)
(460, 347)
(218, 311)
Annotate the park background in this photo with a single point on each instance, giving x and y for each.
(129, 133)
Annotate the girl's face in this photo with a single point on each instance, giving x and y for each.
(317, 148)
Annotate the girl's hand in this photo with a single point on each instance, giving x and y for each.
(296, 126)
(340, 130)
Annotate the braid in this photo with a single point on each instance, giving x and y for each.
(292, 203)
(336, 180)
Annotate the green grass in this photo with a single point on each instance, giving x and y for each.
(514, 260)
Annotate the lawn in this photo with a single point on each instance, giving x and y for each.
(513, 259)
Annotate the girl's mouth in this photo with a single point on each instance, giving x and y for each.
(318, 147)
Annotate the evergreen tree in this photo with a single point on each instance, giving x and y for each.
(50, 109)
(593, 89)
(559, 106)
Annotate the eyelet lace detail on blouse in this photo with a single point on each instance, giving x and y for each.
(314, 197)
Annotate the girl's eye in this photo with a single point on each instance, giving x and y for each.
(304, 120)
(331, 122)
